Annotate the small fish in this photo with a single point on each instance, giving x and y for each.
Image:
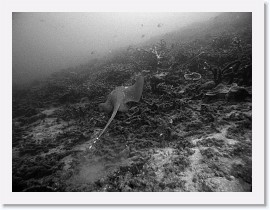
(141, 25)
(143, 36)
(159, 25)
(92, 52)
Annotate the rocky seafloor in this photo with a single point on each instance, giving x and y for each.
(166, 142)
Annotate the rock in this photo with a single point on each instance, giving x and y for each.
(210, 152)
(208, 85)
(154, 83)
(193, 125)
(160, 75)
(221, 92)
(84, 100)
(221, 88)
(30, 112)
(34, 118)
(221, 184)
(194, 76)
(237, 94)
(214, 96)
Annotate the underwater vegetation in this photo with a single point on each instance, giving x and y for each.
(187, 129)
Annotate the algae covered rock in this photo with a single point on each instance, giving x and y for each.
(208, 85)
(237, 94)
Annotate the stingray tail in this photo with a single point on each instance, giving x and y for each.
(109, 122)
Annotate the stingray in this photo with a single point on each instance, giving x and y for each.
(117, 99)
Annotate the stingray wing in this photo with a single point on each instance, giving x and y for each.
(134, 92)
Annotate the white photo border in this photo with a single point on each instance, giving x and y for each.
(257, 196)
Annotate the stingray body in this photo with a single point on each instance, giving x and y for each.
(117, 99)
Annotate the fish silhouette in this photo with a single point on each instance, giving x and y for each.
(117, 99)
